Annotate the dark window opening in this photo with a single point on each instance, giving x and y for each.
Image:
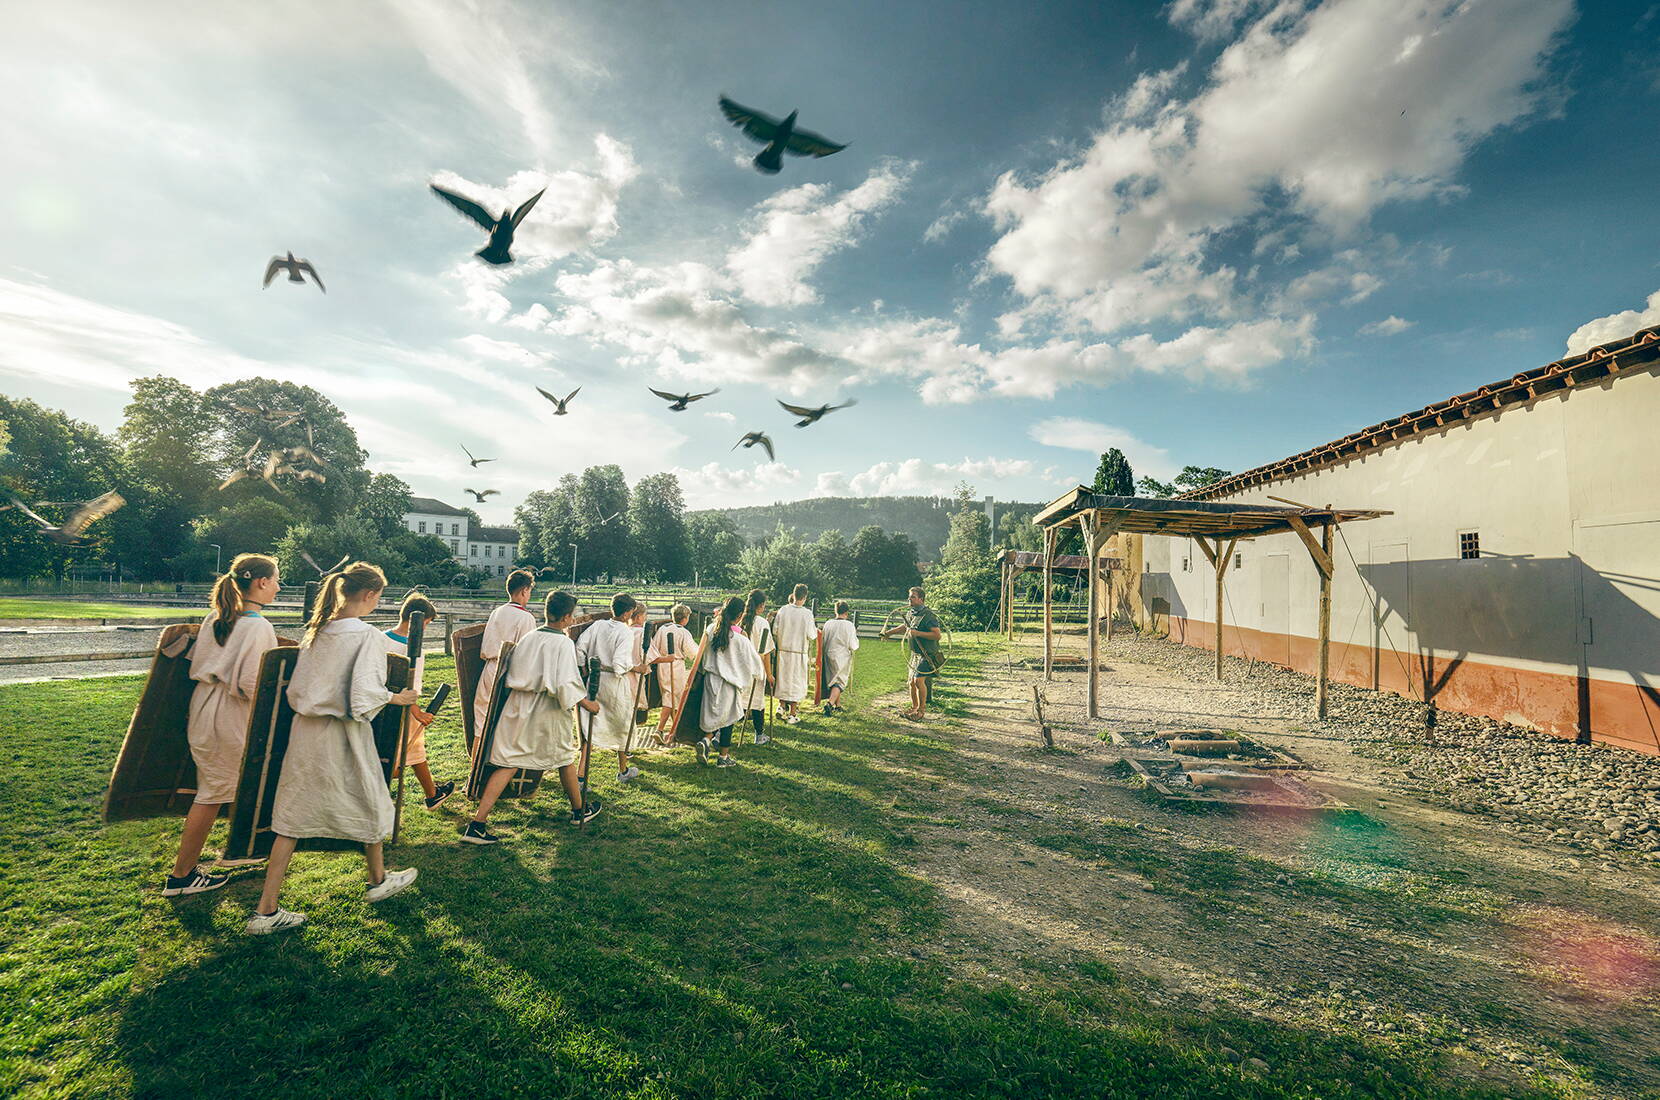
(1469, 544)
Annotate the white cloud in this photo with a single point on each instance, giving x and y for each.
(1095, 438)
(502, 351)
(715, 485)
(1614, 326)
(723, 417)
(1298, 126)
(795, 230)
(919, 477)
(1389, 326)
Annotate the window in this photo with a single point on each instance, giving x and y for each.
(455, 546)
(455, 528)
(501, 551)
(1469, 544)
(1187, 563)
(472, 551)
(1238, 560)
(501, 570)
(421, 527)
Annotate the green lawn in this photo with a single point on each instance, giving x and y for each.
(20, 608)
(740, 933)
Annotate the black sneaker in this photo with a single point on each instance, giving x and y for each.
(477, 832)
(590, 810)
(197, 881)
(443, 791)
(827, 709)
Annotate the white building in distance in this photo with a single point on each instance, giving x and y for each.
(491, 549)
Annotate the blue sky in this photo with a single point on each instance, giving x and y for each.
(1203, 231)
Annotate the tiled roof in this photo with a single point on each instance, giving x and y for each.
(496, 534)
(1634, 353)
(428, 506)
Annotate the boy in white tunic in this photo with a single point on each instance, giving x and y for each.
(759, 632)
(613, 642)
(841, 638)
(415, 730)
(537, 727)
(332, 784)
(795, 631)
(507, 623)
(730, 665)
(675, 642)
(225, 665)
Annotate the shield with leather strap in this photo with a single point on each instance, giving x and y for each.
(525, 780)
(467, 643)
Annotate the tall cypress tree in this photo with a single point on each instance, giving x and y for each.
(1114, 476)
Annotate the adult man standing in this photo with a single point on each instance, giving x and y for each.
(795, 630)
(922, 631)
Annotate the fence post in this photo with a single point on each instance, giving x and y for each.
(449, 628)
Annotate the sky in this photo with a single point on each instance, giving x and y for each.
(1211, 232)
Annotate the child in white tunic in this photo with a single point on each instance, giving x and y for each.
(537, 727)
(507, 623)
(224, 662)
(759, 632)
(840, 639)
(795, 632)
(675, 642)
(730, 665)
(332, 784)
(415, 727)
(613, 642)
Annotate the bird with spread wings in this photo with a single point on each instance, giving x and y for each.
(474, 462)
(297, 271)
(480, 494)
(778, 135)
(750, 439)
(679, 401)
(559, 408)
(68, 533)
(497, 249)
(813, 416)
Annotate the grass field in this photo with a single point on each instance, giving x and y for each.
(740, 933)
(12, 607)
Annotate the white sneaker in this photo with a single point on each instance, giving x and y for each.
(761, 738)
(703, 751)
(263, 924)
(395, 882)
(792, 719)
(628, 776)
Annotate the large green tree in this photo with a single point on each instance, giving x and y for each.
(882, 564)
(382, 505)
(330, 436)
(657, 529)
(252, 526)
(53, 463)
(831, 562)
(602, 522)
(964, 590)
(714, 546)
(1114, 476)
(1191, 477)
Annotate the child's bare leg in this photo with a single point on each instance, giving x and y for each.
(493, 787)
(198, 823)
(424, 774)
(573, 788)
(836, 696)
(374, 857)
(276, 869)
(622, 762)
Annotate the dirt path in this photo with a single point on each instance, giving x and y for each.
(1401, 919)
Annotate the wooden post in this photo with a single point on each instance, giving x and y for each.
(1048, 603)
(449, 629)
(1325, 622)
(1092, 532)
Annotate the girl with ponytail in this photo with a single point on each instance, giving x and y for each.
(225, 665)
(332, 784)
(730, 667)
(759, 632)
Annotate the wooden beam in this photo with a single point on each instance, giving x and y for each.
(1205, 546)
(1220, 560)
(1048, 603)
(1092, 533)
(1320, 554)
(1325, 625)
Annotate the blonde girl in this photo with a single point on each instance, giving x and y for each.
(225, 665)
(332, 784)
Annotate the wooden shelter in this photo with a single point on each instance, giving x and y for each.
(1216, 526)
(1012, 563)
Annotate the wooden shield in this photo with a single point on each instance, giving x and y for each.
(388, 723)
(524, 781)
(686, 727)
(653, 695)
(155, 774)
(821, 679)
(268, 728)
(466, 643)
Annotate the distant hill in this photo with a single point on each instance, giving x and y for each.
(927, 520)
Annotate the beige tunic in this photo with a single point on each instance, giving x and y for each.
(415, 734)
(727, 676)
(537, 727)
(841, 638)
(331, 784)
(617, 647)
(507, 623)
(760, 637)
(226, 678)
(673, 677)
(795, 631)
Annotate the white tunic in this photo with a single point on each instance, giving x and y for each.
(537, 727)
(760, 637)
(507, 623)
(841, 638)
(226, 678)
(727, 675)
(616, 646)
(795, 630)
(673, 677)
(331, 784)
(415, 735)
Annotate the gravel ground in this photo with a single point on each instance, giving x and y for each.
(1593, 798)
(81, 639)
(72, 670)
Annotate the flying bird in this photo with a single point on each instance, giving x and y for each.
(276, 418)
(752, 438)
(500, 229)
(559, 406)
(607, 519)
(269, 471)
(813, 416)
(68, 533)
(321, 572)
(474, 462)
(679, 401)
(480, 494)
(779, 137)
(297, 270)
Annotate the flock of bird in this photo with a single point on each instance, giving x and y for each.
(302, 463)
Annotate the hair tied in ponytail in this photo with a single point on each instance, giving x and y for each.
(229, 591)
